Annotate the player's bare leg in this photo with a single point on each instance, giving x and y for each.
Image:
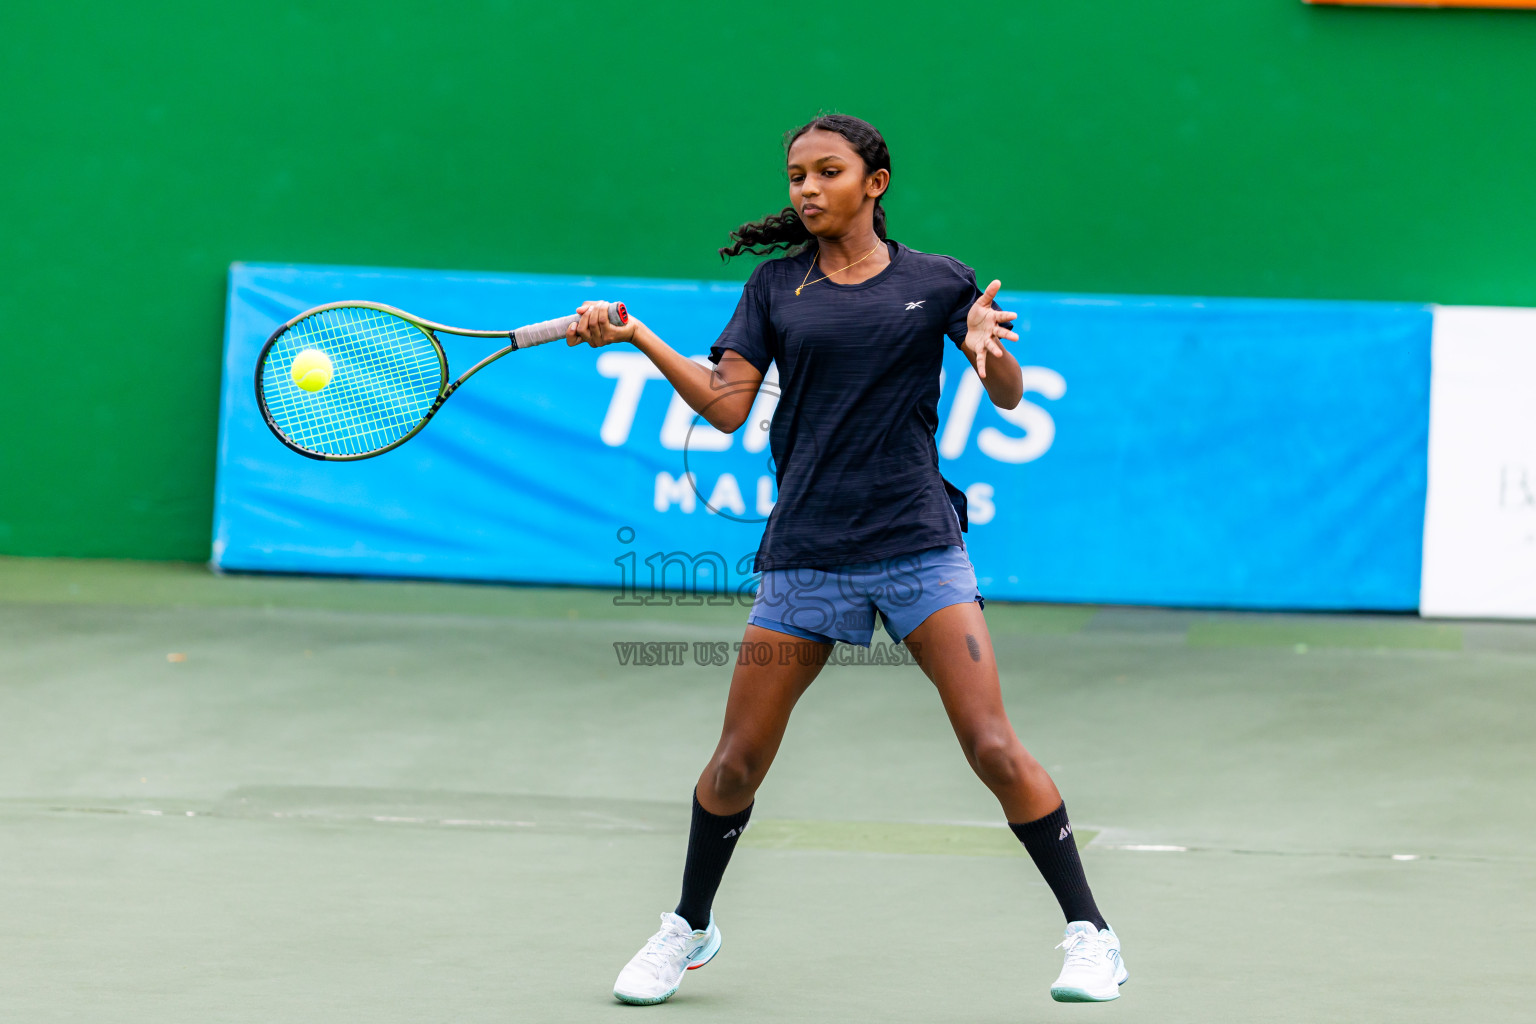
(771, 673)
(954, 649)
(756, 715)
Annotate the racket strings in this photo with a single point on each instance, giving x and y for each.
(386, 374)
(388, 412)
(355, 413)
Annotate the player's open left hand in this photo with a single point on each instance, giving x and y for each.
(985, 326)
(594, 329)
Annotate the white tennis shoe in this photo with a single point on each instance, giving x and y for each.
(655, 972)
(1093, 971)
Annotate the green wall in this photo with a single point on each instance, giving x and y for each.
(1253, 147)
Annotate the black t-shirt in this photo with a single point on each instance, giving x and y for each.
(852, 437)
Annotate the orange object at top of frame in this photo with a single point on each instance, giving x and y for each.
(1529, 4)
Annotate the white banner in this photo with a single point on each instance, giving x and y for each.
(1480, 518)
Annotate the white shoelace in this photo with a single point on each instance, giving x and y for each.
(1082, 949)
(665, 947)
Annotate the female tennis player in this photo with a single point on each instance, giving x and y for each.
(864, 523)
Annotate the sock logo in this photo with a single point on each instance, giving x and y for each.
(737, 831)
(1066, 830)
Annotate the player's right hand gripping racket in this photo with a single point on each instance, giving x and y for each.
(350, 380)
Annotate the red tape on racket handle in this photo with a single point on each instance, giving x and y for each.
(549, 330)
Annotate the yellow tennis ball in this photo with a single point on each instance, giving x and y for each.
(312, 369)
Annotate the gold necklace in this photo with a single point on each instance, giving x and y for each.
(834, 273)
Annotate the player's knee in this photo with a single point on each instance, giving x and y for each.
(736, 774)
(997, 758)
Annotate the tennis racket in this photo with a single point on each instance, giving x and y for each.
(351, 380)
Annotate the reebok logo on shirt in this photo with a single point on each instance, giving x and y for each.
(916, 305)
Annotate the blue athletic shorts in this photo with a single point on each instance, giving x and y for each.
(839, 604)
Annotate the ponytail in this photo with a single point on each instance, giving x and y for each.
(785, 230)
(782, 230)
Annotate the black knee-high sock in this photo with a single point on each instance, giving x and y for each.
(1050, 843)
(711, 838)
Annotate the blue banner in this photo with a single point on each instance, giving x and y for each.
(1231, 453)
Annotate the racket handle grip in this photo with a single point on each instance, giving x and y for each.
(549, 330)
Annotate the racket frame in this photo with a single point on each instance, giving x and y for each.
(427, 327)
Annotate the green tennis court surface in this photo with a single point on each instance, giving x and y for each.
(349, 801)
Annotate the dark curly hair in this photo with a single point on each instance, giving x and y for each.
(784, 230)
